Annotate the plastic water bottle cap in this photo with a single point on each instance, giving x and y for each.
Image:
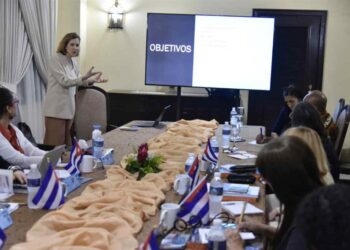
(33, 166)
(217, 222)
(226, 123)
(217, 174)
(190, 154)
(96, 126)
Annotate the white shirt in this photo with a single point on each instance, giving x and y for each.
(31, 153)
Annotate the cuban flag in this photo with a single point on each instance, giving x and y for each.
(193, 172)
(2, 238)
(195, 207)
(209, 154)
(76, 156)
(50, 194)
(151, 242)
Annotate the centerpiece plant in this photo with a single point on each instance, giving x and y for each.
(143, 162)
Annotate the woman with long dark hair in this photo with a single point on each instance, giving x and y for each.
(304, 114)
(289, 167)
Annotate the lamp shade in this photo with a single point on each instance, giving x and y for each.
(115, 16)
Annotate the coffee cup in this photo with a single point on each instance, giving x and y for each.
(87, 164)
(168, 215)
(182, 183)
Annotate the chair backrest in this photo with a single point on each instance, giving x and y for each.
(338, 109)
(342, 124)
(91, 108)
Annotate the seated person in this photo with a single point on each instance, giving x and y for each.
(292, 96)
(319, 101)
(311, 138)
(304, 114)
(15, 149)
(290, 168)
(323, 219)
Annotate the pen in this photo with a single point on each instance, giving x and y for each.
(242, 213)
(228, 203)
(261, 132)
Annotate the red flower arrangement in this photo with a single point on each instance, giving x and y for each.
(143, 162)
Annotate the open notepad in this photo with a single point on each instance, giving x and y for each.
(235, 208)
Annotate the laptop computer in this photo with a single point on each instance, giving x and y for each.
(155, 123)
(54, 155)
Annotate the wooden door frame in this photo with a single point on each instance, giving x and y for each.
(322, 14)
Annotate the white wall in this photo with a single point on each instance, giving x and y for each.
(121, 53)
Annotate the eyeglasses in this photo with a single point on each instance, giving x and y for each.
(15, 101)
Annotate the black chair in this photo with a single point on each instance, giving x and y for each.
(342, 124)
(338, 109)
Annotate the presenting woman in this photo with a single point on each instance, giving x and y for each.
(63, 78)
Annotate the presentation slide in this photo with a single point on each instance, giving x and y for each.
(209, 51)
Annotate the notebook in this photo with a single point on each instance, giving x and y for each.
(155, 123)
(251, 195)
(235, 208)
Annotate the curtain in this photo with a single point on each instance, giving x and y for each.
(15, 51)
(40, 21)
(32, 93)
(27, 37)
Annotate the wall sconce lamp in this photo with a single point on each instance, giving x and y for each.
(115, 16)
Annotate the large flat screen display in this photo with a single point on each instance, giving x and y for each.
(209, 51)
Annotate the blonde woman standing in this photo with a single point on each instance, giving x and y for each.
(311, 138)
(63, 79)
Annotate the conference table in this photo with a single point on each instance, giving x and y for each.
(124, 142)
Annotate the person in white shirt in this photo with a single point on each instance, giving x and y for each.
(16, 151)
(63, 78)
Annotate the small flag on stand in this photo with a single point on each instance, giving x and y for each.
(209, 154)
(2, 238)
(50, 194)
(75, 158)
(195, 207)
(193, 172)
(151, 242)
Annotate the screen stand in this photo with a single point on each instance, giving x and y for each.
(178, 103)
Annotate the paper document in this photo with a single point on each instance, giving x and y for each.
(62, 173)
(203, 235)
(236, 188)
(242, 155)
(253, 192)
(235, 208)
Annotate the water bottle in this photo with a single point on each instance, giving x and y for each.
(190, 159)
(214, 144)
(226, 131)
(97, 142)
(216, 191)
(216, 236)
(233, 115)
(33, 185)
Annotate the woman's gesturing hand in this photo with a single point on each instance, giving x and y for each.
(90, 73)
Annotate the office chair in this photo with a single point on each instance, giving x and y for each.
(338, 109)
(342, 124)
(91, 107)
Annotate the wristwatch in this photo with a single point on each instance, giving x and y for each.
(15, 168)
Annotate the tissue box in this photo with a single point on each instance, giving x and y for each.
(107, 157)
